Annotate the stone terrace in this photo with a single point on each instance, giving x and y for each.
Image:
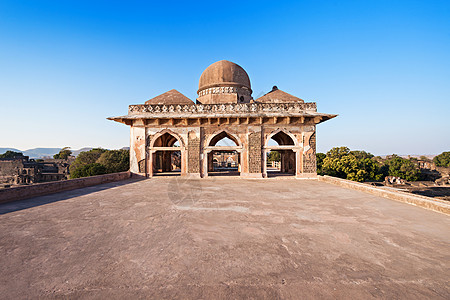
(222, 238)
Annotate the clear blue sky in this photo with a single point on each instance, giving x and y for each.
(383, 66)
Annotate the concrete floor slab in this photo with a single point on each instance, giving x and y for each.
(169, 238)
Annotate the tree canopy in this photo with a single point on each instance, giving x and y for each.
(64, 153)
(11, 154)
(442, 160)
(403, 168)
(363, 166)
(100, 161)
(353, 165)
(273, 156)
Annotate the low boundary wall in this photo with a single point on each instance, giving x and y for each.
(422, 201)
(40, 189)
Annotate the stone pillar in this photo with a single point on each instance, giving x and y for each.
(264, 162)
(254, 147)
(193, 150)
(137, 149)
(309, 156)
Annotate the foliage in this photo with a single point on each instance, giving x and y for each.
(352, 165)
(63, 154)
(89, 170)
(403, 168)
(363, 166)
(338, 152)
(100, 161)
(274, 156)
(361, 154)
(85, 158)
(115, 160)
(319, 162)
(442, 160)
(11, 154)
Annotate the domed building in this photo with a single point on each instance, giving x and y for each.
(274, 135)
(224, 82)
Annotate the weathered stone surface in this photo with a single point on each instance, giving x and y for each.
(38, 189)
(193, 153)
(309, 156)
(254, 152)
(222, 239)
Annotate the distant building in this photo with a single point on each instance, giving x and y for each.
(225, 108)
(22, 170)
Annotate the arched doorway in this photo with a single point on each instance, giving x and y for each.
(166, 155)
(223, 155)
(280, 155)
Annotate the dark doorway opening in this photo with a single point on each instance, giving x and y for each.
(225, 160)
(167, 161)
(281, 159)
(224, 163)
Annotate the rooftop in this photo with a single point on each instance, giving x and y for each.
(222, 238)
(169, 98)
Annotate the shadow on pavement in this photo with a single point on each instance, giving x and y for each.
(56, 197)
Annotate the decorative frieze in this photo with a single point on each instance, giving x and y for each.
(161, 109)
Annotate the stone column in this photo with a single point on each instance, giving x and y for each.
(193, 150)
(264, 162)
(254, 147)
(137, 149)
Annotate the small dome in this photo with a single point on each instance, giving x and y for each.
(224, 73)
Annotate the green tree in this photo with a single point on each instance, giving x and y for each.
(338, 152)
(319, 162)
(442, 160)
(11, 154)
(352, 165)
(361, 154)
(403, 168)
(89, 170)
(63, 154)
(115, 160)
(100, 161)
(86, 158)
(274, 156)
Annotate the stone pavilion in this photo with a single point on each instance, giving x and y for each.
(172, 134)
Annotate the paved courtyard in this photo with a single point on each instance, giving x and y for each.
(222, 238)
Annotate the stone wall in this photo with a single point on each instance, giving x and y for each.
(254, 152)
(193, 153)
(422, 201)
(9, 169)
(309, 157)
(40, 189)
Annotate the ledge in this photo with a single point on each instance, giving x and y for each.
(46, 188)
(422, 201)
(225, 107)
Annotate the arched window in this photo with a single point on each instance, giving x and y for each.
(281, 159)
(224, 160)
(167, 161)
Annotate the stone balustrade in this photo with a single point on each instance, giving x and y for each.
(159, 109)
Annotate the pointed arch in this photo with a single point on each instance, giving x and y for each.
(282, 137)
(214, 138)
(166, 138)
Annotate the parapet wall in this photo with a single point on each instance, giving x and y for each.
(40, 189)
(417, 200)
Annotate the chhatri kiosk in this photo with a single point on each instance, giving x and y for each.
(172, 132)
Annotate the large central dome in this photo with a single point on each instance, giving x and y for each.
(224, 77)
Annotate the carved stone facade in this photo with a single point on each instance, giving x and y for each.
(196, 132)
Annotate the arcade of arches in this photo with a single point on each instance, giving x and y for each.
(225, 132)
